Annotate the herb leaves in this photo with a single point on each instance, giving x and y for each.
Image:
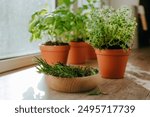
(64, 71)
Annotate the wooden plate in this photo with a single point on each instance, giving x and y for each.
(78, 84)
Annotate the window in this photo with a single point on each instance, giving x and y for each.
(14, 35)
(15, 48)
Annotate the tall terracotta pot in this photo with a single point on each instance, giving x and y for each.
(54, 54)
(112, 63)
(77, 53)
(90, 53)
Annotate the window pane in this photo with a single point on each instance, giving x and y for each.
(14, 19)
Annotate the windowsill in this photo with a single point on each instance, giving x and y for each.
(26, 83)
(18, 62)
(15, 84)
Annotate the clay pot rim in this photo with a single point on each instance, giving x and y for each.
(109, 52)
(54, 48)
(53, 45)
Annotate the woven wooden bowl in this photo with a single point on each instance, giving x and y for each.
(79, 84)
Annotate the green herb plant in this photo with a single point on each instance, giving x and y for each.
(64, 71)
(59, 2)
(79, 32)
(111, 29)
(75, 20)
(55, 25)
(61, 25)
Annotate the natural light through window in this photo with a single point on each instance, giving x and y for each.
(14, 35)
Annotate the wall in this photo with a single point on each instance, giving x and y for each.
(118, 3)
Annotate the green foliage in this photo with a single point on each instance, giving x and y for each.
(69, 2)
(78, 31)
(97, 91)
(59, 2)
(36, 25)
(64, 71)
(56, 25)
(62, 25)
(111, 29)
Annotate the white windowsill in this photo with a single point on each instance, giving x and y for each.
(21, 84)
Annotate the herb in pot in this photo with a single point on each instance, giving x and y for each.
(111, 29)
(52, 25)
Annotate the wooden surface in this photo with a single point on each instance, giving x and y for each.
(28, 84)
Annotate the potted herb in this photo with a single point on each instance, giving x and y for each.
(66, 78)
(111, 34)
(55, 27)
(90, 50)
(77, 38)
(79, 50)
(77, 53)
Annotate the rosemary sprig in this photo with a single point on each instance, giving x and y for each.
(64, 71)
(97, 91)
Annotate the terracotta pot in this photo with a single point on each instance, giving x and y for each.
(112, 63)
(79, 84)
(90, 52)
(77, 53)
(54, 54)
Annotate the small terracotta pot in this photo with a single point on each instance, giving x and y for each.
(74, 85)
(54, 54)
(77, 53)
(90, 52)
(112, 63)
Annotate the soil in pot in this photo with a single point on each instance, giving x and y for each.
(77, 53)
(54, 52)
(112, 62)
(66, 78)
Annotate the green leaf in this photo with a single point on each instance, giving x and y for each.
(85, 6)
(67, 2)
(97, 91)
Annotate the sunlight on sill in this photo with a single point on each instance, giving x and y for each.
(23, 84)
